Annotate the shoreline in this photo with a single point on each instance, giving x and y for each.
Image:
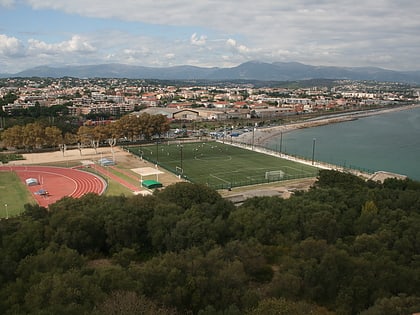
(261, 136)
(376, 176)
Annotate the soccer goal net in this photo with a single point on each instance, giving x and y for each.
(274, 175)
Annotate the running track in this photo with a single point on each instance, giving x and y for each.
(58, 181)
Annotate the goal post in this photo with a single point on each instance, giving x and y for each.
(274, 175)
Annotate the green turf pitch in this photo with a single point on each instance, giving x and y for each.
(221, 165)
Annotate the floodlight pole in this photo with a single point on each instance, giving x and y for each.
(313, 151)
(253, 138)
(281, 142)
(141, 153)
(7, 211)
(157, 152)
(182, 168)
(224, 133)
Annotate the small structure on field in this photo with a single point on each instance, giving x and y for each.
(106, 162)
(42, 192)
(31, 181)
(151, 184)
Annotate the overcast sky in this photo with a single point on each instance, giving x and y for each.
(221, 33)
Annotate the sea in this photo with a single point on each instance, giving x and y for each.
(383, 142)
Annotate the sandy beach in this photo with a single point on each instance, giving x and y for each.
(260, 135)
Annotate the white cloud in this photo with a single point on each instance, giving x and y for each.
(10, 46)
(75, 45)
(170, 56)
(198, 41)
(354, 33)
(242, 49)
(18, 55)
(269, 26)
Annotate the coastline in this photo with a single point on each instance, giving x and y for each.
(261, 135)
(255, 140)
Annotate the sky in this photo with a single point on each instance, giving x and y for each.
(209, 33)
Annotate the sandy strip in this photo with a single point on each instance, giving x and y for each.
(86, 155)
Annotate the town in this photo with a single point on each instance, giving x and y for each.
(197, 101)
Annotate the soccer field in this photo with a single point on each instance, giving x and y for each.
(221, 165)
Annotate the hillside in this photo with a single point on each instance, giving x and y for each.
(253, 70)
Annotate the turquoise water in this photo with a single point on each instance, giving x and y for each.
(385, 142)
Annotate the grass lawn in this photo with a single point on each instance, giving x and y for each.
(14, 194)
(221, 165)
(116, 189)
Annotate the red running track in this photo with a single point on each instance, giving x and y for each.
(58, 181)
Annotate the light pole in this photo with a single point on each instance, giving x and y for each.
(157, 152)
(313, 150)
(281, 142)
(253, 138)
(182, 168)
(7, 211)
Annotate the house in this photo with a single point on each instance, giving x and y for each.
(186, 114)
(272, 112)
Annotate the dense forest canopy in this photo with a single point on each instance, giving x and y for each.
(345, 247)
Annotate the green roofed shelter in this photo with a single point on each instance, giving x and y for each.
(151, 184)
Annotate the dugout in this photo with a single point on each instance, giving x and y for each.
(151, 184)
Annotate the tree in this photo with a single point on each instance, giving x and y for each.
(258, 218)
(70, 138)
(78, 231)
(53, 136)
(129, 127)
(70, 292)
(13, 136)
(85, 136)
(127, 227)
(368, 220)
(394, 305)
(26, 240)
(161, 124)
(9, 98)
(54, 259)
(186, 194)
(192, 280)
(285, 307)
(128, 303)
(34, 135)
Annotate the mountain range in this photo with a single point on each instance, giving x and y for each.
(253, 70)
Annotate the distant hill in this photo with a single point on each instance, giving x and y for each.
(253, 70)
